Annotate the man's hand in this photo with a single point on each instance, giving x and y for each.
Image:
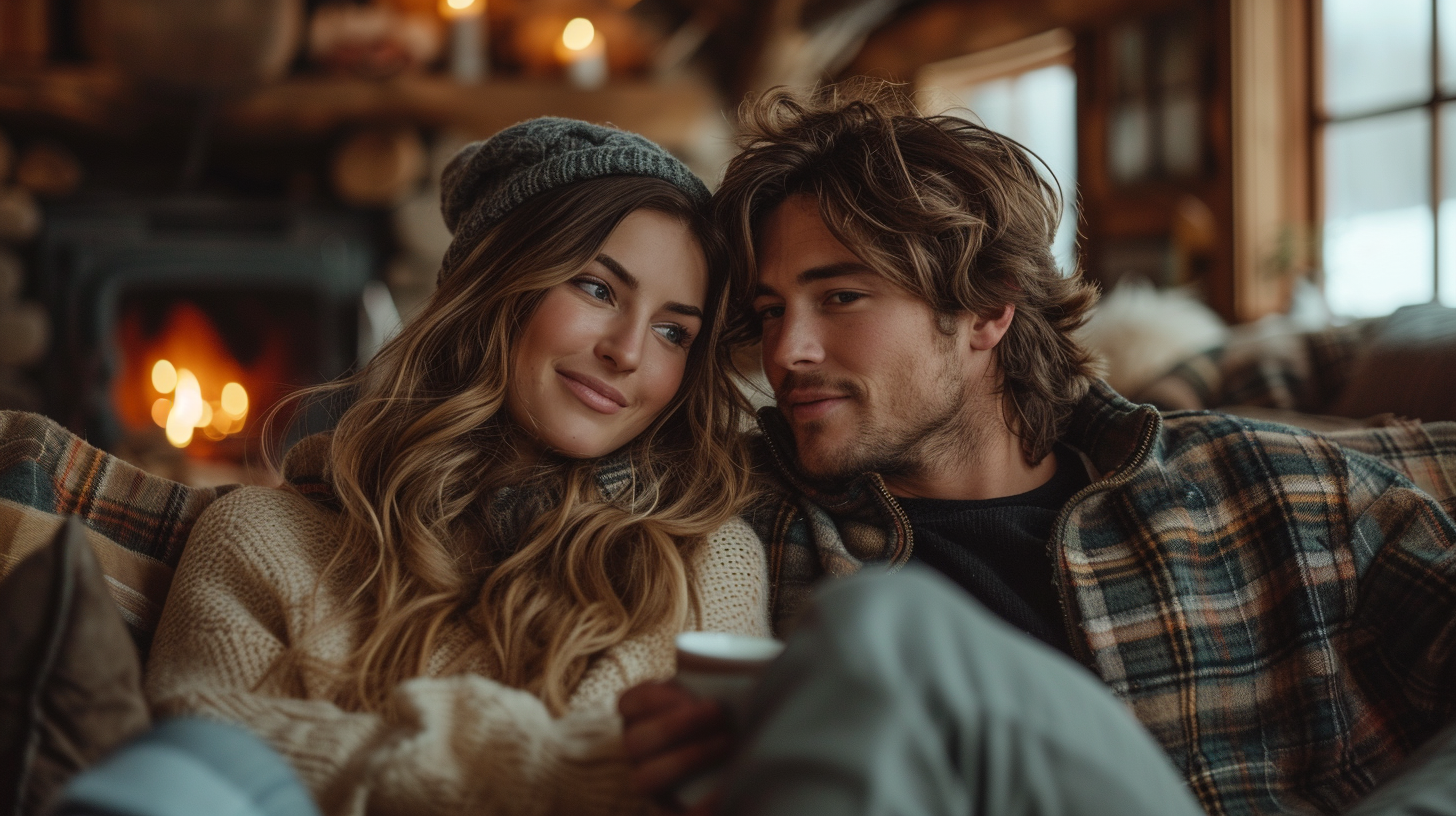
(669, 734)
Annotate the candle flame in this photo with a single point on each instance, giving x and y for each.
(453, 9)
(578, 34)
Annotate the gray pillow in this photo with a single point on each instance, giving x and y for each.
(1408, 369)
(70, 680)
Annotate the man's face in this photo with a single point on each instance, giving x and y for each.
(861, 368)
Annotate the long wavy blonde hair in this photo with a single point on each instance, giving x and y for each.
(426, 445)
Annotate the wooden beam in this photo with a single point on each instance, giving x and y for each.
(315, 107)
(1270, 153)
(944, 29)
(666, 112)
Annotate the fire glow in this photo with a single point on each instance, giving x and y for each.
(187, 411)
(178, 374)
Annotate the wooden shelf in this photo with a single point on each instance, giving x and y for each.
(92, 99)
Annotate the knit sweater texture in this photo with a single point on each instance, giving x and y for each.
(442, 744)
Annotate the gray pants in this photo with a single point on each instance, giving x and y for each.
(898, 695)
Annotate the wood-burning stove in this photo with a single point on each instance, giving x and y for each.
(262, 295)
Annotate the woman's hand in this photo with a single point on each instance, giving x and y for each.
(669, 734)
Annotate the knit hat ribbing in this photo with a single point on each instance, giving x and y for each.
(488, 179)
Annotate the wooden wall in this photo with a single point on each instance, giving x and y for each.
(1232, 222)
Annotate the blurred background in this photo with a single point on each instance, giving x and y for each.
(207, 203)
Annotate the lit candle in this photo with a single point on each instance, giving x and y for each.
(584, 53)
(467, 38)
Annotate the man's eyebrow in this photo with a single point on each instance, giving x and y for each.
(818, 273)
(616, 269)
(631, 281)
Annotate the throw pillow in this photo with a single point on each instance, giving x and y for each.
(70, 680)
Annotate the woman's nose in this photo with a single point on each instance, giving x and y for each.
(621, 346)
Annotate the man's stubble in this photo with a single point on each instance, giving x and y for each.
(898, 438)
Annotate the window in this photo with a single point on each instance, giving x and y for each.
(1026, 90)
(1387, 129)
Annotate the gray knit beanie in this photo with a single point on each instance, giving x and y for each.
(488, 179)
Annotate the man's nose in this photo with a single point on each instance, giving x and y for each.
(793, 343)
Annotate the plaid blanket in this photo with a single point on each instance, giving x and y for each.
(137, 522)
(1277, 607)
(1303, 372)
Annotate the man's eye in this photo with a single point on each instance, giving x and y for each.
(673, 333)
(842, 298)
(595, 288)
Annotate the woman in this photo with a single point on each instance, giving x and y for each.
(533, 490)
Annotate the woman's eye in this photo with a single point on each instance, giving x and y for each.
(595, 288)
(770, 313)
(673, 333)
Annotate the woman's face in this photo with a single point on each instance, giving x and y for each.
(605, 352)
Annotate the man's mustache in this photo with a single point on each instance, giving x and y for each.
(815, 380)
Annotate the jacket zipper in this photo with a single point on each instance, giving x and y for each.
(1117, 479)
(904, 522)
(895, 509)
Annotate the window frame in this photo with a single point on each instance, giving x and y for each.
(1321, 119)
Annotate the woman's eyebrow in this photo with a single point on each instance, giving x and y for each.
(630, 281)
(616, 269)
(684, 309)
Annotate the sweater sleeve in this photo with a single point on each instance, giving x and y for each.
(440, 745)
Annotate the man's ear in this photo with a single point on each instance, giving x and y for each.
(986, 332)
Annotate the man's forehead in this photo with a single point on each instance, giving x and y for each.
(795, 247)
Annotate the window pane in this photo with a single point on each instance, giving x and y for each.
(1446, 23)
(1039, 109)
(1447, 263)
(1377, 54)
(1378, 239)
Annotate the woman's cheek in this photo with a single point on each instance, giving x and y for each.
(668, 380)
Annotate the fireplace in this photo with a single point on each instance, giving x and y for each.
(179, 324)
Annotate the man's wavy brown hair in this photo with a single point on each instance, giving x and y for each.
(952, 211)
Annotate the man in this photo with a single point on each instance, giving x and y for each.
(1276, 608)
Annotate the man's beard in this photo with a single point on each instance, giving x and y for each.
(946, 431)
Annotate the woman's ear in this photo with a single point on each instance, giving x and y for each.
(986, 332)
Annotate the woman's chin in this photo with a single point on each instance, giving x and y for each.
(580, 447)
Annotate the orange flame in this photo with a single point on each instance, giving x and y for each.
(184, 380)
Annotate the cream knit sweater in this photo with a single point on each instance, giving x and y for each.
(455, 744)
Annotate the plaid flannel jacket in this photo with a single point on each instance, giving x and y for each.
(1278, 608)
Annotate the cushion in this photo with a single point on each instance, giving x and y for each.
(1264, 365)
(70, 678)
(1408, 368)
(138, 584)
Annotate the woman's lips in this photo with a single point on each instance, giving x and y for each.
(594, 393)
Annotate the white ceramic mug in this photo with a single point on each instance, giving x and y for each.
(721, 666)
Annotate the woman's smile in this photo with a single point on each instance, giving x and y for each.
(593, 393)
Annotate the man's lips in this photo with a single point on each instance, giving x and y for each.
(805, 406)
(594, 393)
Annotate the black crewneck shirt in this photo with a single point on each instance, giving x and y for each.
(996, 549)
